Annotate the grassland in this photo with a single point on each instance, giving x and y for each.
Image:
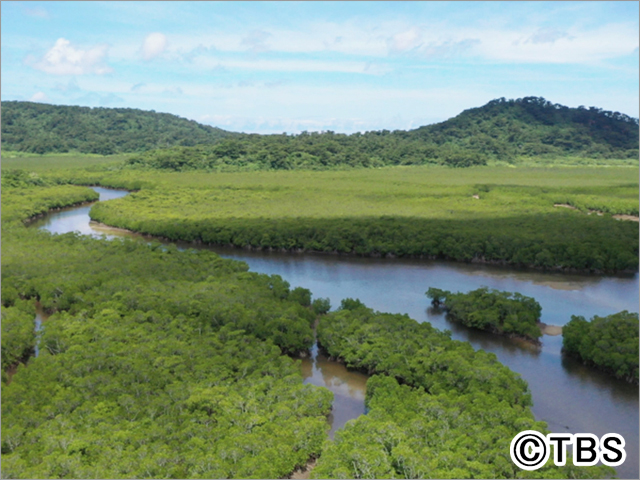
(42, 163)
(484, 214)
(500, 214)
(422, 192)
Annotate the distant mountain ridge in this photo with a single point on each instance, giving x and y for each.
(41, 128)
(500, 130)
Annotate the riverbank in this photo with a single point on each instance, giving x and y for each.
(42, 214)
(389, 255)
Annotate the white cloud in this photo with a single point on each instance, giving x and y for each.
(138, 86)
(404, 41)
(65, 59)
(37, 12)
(573, 46)
(154, 44)
(39, 97)
(363, 67)
(256, 41)
(531, 43)
(173, 91)
(70, 88)
(547, 35)
(448, 49)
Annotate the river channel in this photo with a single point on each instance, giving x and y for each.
(567, 395)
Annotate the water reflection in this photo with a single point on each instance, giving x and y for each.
(76, 219)
(41, 317)
(348, 387)
(485, 340)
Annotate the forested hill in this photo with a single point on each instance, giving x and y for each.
(534, 126)
(40, 128)
(504, 130)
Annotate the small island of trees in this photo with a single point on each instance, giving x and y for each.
(609, 343)
(504, 313)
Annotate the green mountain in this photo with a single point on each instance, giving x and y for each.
(533, 126)
(500, 130)
(39, 128)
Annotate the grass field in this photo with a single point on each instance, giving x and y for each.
(426, 192)
(41, 163)
(488, 214)
(495, 214)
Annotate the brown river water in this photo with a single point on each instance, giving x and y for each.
(567, 395)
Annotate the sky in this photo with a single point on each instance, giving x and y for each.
(273, 67)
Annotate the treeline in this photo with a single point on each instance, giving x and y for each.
(312, 151)
(40, 128)
(609, 343)
(504, 313)
(500, 130)
(561, 240)
(436, 407)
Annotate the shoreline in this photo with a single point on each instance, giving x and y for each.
(37, 216)
(475, 260)
(551, 330)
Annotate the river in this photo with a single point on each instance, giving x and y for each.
(567, 395)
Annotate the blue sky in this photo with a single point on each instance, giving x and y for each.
(345, 66)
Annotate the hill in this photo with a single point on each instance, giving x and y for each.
(503, 130)
(533, 126)
(39, 128)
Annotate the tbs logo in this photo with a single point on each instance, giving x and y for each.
(530, 450)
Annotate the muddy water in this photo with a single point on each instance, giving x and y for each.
(348, 387)
(567, 395)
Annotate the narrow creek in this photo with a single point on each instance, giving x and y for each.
(567, 395)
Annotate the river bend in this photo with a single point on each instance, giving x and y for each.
(567, 395)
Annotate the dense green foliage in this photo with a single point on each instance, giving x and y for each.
(40, 128)
(609, 343)
(416, 354)
(18, 335)
(498, 312)
(156, 363)
(533, 126)
(315, 151)
(437, 408)
(500, 130)
(166, 363)
(24, 203)
(419, 211)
